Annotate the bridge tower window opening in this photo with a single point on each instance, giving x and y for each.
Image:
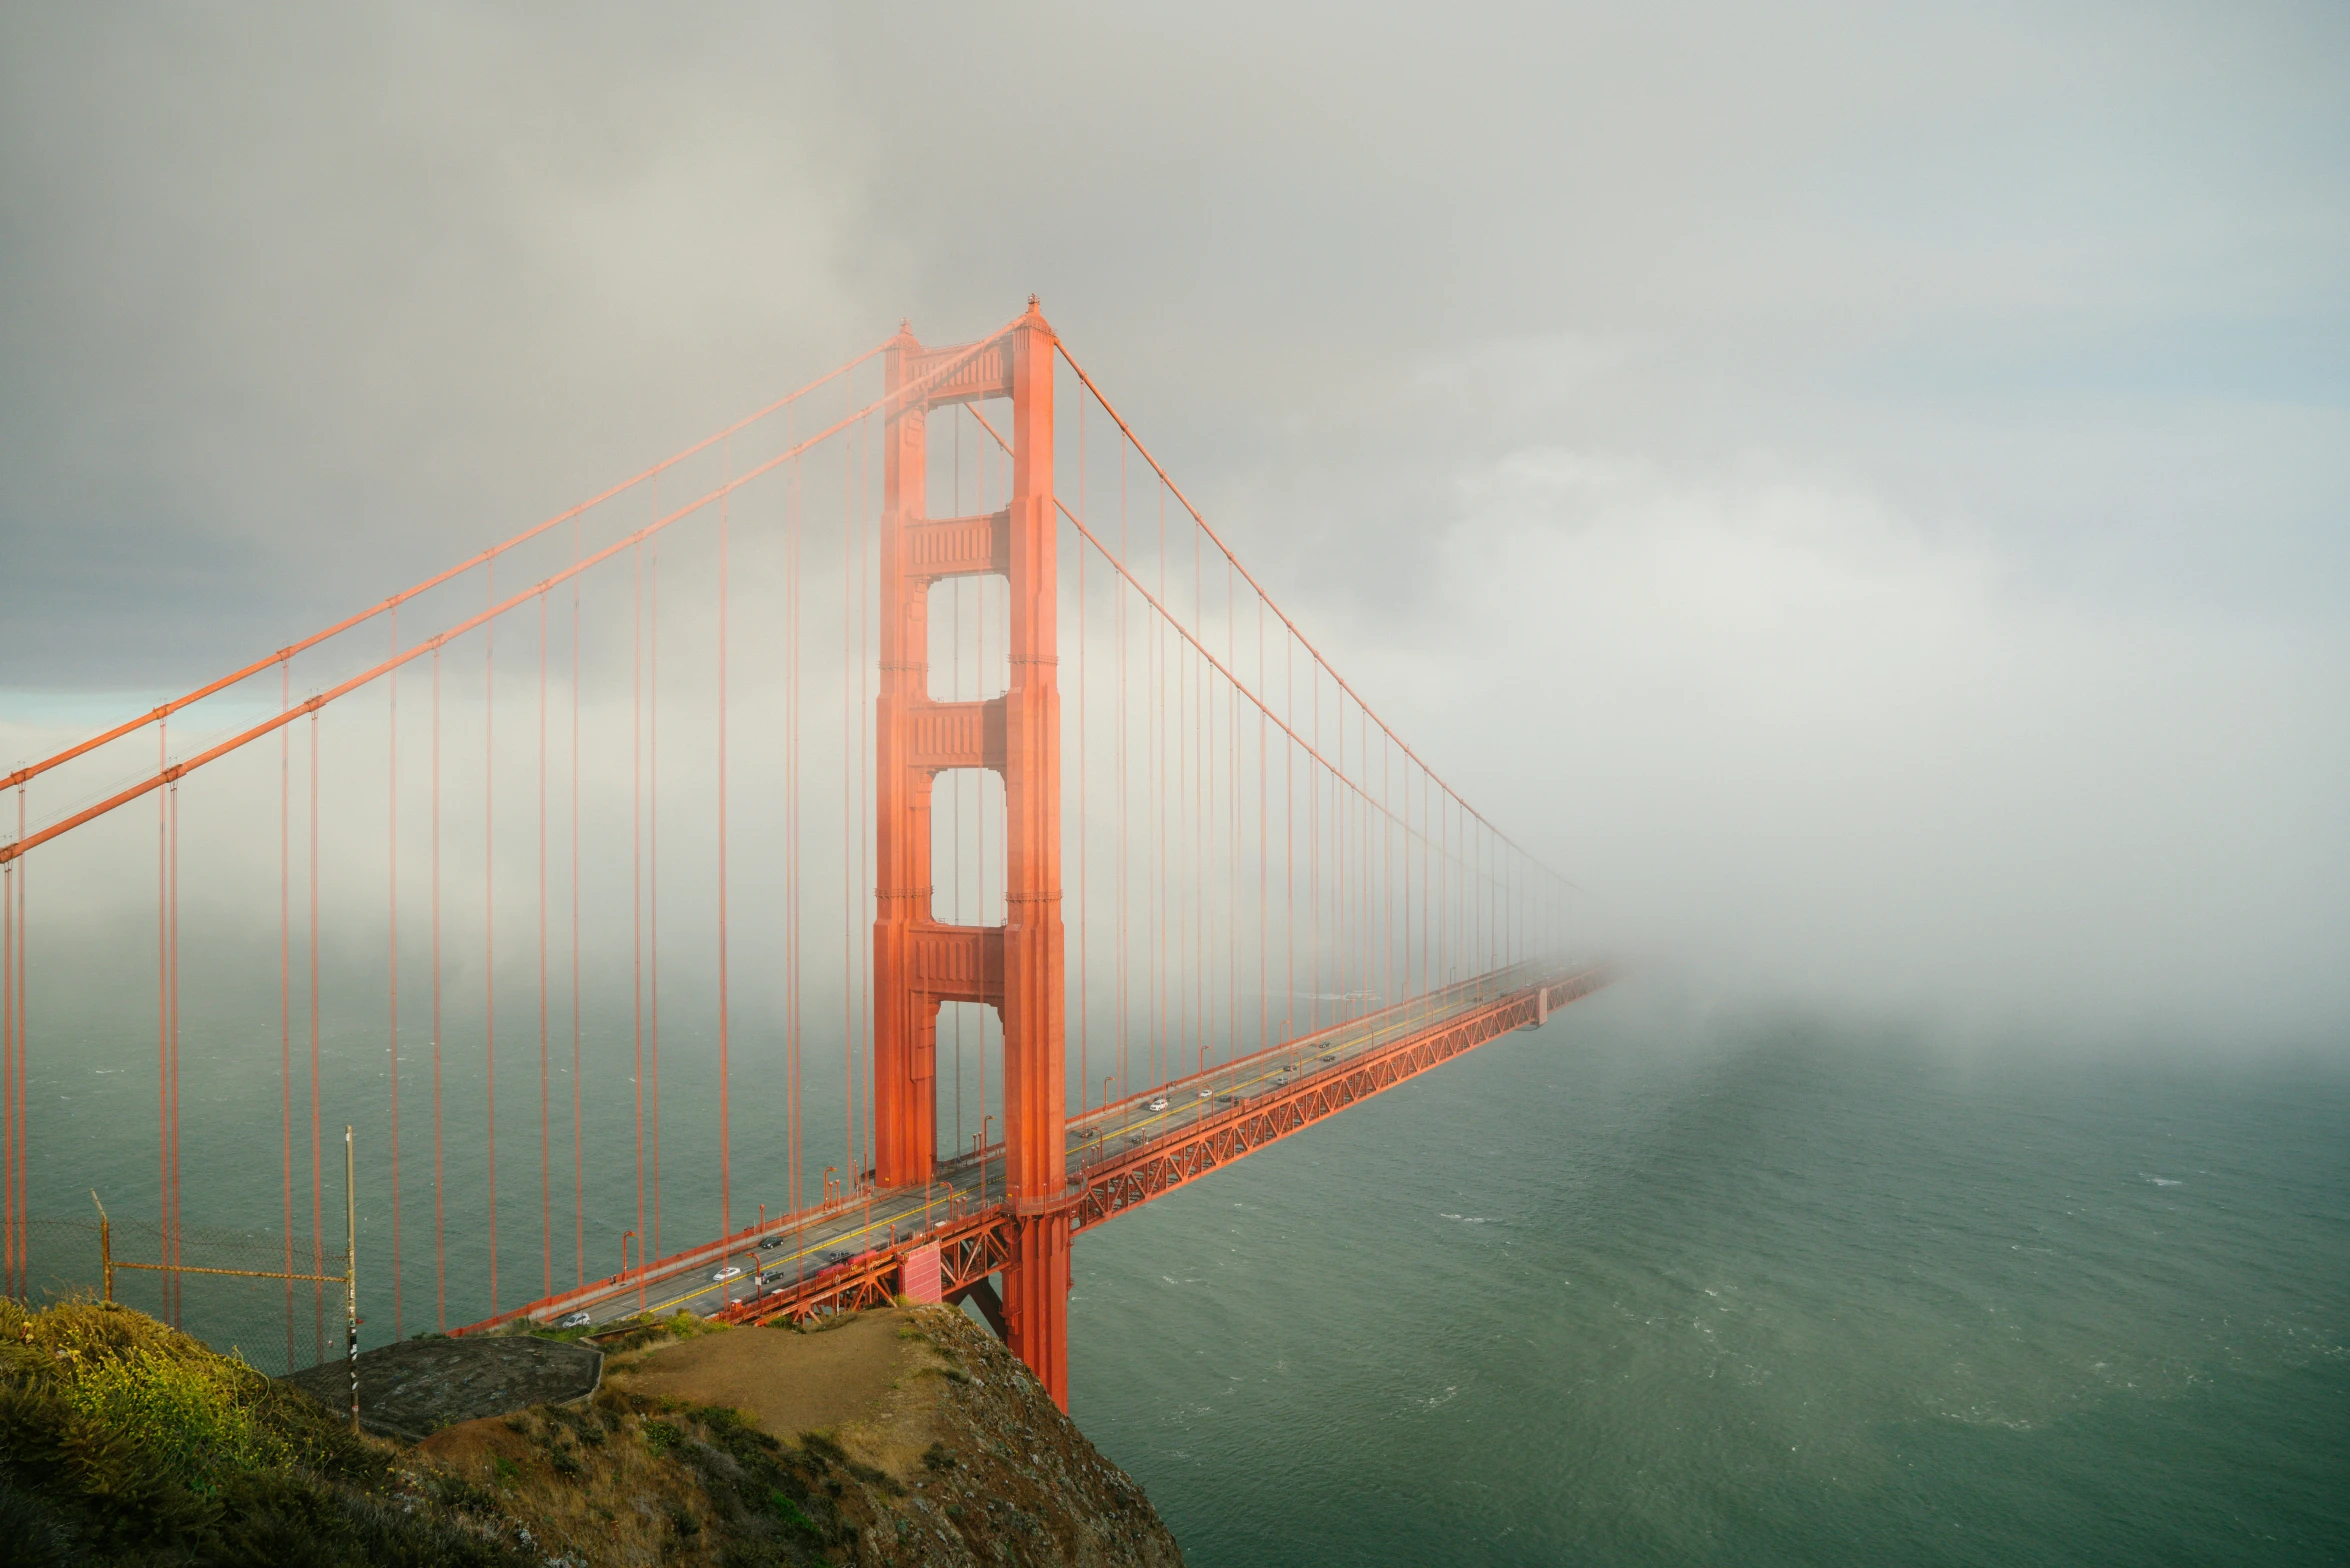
(970, 1079)
(967, 848)
(970, 644)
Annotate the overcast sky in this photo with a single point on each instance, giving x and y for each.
(1867, 490)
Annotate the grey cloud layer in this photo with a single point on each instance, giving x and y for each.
(1995, 361)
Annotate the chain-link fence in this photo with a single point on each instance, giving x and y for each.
(205, 1287)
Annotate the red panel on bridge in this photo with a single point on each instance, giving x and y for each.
(919, 1274)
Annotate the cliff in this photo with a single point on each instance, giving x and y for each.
(901, 1437)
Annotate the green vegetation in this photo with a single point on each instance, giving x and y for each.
(122, 1440)
(635, 1333)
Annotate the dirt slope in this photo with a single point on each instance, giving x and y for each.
(899, 1437)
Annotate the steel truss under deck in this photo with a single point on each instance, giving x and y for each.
(973, 1248)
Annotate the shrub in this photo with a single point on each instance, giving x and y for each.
(793, 1515)
(125, 1440)
(184, 1419)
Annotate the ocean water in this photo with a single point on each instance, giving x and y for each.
(1661, 1286)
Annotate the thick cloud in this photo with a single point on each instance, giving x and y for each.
(1872, 478)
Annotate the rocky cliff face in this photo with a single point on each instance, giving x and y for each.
(1006, 1477)
(903, 1437)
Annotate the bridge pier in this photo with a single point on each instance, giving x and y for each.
(1036, 1299)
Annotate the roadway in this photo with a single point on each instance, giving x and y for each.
(791, 1249)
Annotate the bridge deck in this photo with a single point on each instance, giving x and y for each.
(849, 1252)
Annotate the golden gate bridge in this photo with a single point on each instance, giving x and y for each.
(1009, 858)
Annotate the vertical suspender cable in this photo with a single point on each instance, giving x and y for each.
(868, 598)
(546, 1152)
(24, 1015)
(955, 802)
(317, 1183)
(8, 1261)
(440, 1255)
(725, 1149)
(968, 783)
(163, 1025)
(12, 1266)
(653, 881)
(392, 964)
(955, 821)
(849, 831)
(848, 820)
(24, 992)
(1084, 907)
(1160, 977)
(578, 1152)
(163, 1006)
(636, 878)
(1124, 803)
(285, 991)
(791, 837)
(177, 1213)
(176, 1237)
(1203, 765)
(1183, 801)
(489, 924)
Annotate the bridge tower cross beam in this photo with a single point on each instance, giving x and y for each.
(919, 961)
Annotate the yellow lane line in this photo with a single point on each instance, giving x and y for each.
(925, 1210)
(1101, 1132)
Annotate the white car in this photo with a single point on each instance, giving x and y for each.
(725, 1274)
(575, 1320)
(1159, 1104)
(1207, 1094)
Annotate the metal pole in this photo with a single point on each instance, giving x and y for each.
(105, 1245)
(351, 1269)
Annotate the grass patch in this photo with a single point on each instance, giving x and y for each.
(123, 1440)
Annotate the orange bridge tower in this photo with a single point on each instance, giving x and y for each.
(919, 961)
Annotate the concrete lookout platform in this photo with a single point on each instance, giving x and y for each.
(411, 1389)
